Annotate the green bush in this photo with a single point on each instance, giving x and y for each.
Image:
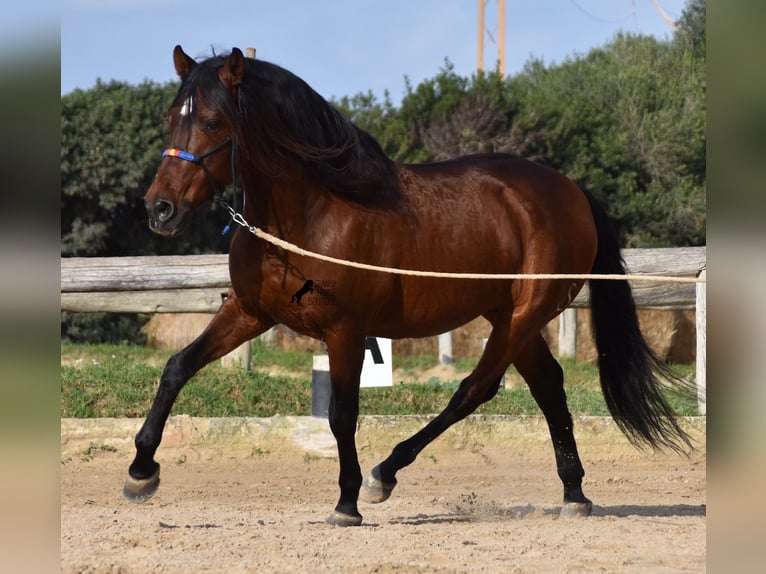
(95, 328)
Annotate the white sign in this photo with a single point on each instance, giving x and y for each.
(377, 369)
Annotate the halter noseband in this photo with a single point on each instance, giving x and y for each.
(199, 159)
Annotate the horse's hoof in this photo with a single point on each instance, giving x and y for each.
(576, 509)
(141, 489)
(375, 491)
(342, 519)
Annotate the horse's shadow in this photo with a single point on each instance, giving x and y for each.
(654, 511)
(530, 511)
(443, 518)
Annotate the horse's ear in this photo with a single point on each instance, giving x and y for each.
(183, 63)
(232, 71)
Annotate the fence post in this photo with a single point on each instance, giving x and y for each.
(269, 338)
(701, 323)
(445, 349)
(568, 333)
(240, 357)
(320, 386)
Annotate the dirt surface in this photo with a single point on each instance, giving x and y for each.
(251, 496)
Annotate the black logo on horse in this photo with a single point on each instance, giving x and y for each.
(308, 287)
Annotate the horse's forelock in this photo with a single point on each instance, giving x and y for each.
(203, 83)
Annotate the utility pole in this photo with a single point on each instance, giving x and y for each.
(501, 36)
(668, 20)
(483, 32)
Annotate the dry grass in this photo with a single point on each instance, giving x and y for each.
(670, 333)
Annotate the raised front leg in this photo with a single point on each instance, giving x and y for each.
(229, 328)
(546, 382)
(346, 358)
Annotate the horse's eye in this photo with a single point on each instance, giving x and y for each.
(211, 125)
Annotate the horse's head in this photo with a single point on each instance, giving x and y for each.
(199, 162)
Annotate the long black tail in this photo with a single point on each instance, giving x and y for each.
(630, 371)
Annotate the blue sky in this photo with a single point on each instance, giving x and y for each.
(340, 47)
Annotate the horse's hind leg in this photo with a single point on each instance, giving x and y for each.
(477, 388)
(229, 328)
(546, 382)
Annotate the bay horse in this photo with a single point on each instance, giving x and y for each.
(313, 178)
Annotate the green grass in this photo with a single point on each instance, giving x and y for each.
(121, 380)
(120, 387)
(290, 360)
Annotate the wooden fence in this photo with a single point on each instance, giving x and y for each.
(198, 283)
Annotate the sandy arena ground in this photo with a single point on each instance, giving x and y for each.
(251, 495)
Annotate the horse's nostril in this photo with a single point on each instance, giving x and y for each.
(163, 209)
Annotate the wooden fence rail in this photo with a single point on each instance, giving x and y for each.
(198, 283)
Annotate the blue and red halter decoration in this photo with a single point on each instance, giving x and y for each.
(196, 158)
(171, 152)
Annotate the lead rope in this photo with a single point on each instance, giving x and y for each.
(237, 218)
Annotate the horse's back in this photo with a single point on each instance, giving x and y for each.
(490, 178)
(491, 214)
(519, 204)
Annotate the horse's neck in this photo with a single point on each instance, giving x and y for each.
(280, 207)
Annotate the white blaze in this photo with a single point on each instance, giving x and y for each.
(188, 106)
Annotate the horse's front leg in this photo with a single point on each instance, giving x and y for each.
(346, 358)
(229, 328)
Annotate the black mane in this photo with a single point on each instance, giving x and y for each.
(287, 128)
